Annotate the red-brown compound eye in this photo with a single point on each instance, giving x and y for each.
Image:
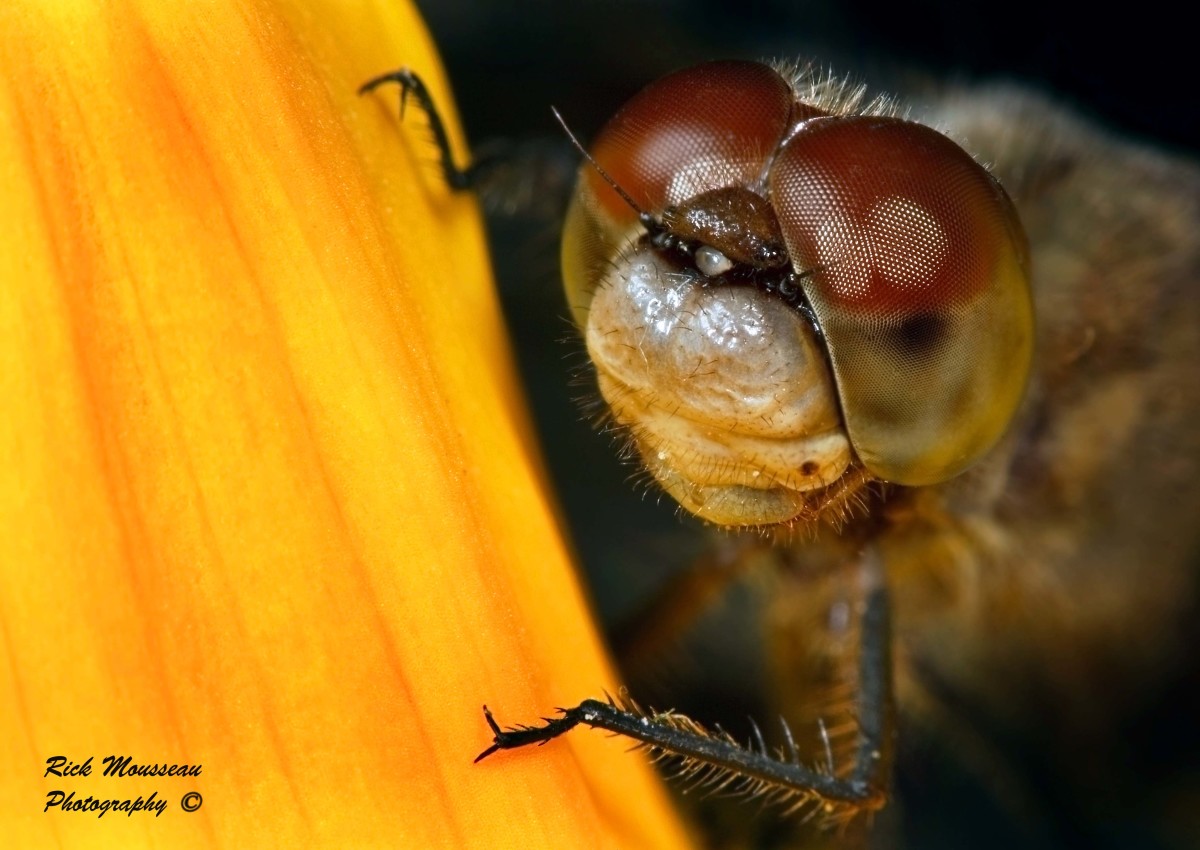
(918, 276)
(704, 128)
(707, 127)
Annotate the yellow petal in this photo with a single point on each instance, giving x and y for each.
(269, 502)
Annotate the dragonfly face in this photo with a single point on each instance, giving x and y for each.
(787, 294)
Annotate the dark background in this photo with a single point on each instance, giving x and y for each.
(509, 62)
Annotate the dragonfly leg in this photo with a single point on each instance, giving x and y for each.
(529, 177)
(714, 760)
(411, 84)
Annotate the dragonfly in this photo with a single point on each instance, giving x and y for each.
(952, 396)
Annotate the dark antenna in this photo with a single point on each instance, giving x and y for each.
(648, 221)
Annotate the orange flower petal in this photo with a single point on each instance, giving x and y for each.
(269, 502)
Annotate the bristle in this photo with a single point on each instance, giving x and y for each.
(821, 88)
(709, 780)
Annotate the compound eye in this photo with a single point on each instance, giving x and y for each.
(915, 265)
(704, 128)
(701, 129)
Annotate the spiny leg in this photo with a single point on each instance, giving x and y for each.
(532, 176)
(411, 84)
(720, 762)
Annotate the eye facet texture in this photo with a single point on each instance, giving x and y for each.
(919, 281)
(705, 128)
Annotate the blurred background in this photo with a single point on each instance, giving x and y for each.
(509, 62)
